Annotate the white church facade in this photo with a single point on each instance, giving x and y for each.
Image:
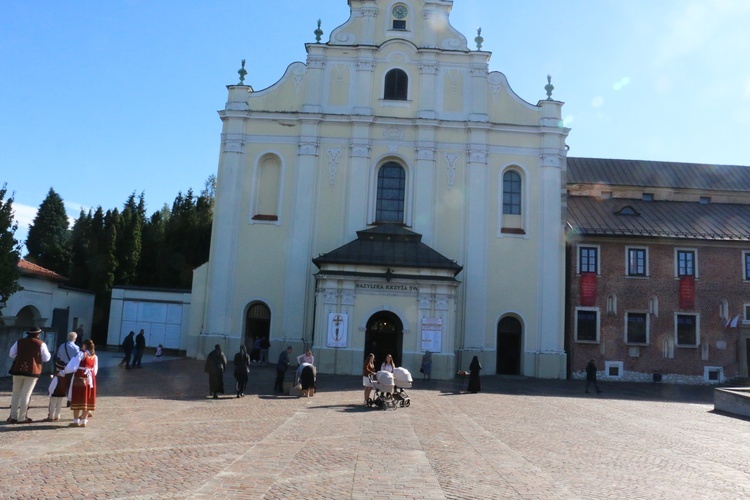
(389, 195)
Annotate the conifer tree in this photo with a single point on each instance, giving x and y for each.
(129, 240)
(80, 246)
(48, 242)
(10, 249)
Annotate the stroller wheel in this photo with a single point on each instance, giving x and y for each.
(407, 402)
(403, 404)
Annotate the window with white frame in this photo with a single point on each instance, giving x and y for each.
(746, 264)
(636, 328)
(687, 330)
(588, 259)
(746, 308)
(512, 193)
(587, 324)
(637, 261)
(686, 262)
(396, 87)
(391, 193)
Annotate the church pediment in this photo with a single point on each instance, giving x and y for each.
(423, 22)
(388, 246)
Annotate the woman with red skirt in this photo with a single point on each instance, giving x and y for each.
(84, 368)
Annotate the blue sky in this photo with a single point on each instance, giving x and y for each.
(102, 99)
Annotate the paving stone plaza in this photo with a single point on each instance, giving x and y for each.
(157, 434)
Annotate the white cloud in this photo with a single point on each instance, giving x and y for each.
(24, 215)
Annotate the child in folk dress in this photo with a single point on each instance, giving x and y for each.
(58, 392)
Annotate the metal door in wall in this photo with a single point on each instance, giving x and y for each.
(60, 319)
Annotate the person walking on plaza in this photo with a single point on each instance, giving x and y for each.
(368, 369)
(28, 355)
(426, 367)
(241, 369)
(307, 357)
(591, 376)
(281, 367)
(67, 350)
(264, 345)
(387, 365)
(127, 346)
(140, 346)
(84, 368)
(216, 363)
(474, 368)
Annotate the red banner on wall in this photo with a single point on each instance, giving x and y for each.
(588, 289)
(687, 292)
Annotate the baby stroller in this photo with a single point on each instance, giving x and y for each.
(383, 384)
(402, 380)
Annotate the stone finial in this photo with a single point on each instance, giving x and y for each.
(478, 40)
(318, 33)
(242, 72)
(549, 87)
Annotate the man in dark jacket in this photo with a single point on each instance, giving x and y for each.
(28, 356)
(591, 376)
(281, 367)
(127, 346)
(140, 346)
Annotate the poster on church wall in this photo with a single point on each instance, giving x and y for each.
(337, 328)
(432, 334)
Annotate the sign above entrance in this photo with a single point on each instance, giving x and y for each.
(394, 287)
(432, 334)
(337, 328)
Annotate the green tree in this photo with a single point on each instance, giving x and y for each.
(152, 242)
(80, 247)
(129, 240)
(48, 242)
(10, 249)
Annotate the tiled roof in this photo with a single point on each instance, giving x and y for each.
(388, 245)
(658, 174)
(29, 268)
(670, 219)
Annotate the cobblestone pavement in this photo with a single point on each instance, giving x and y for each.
(157, 434)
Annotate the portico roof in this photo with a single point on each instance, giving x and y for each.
(388, 245)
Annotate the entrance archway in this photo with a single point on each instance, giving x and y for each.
(257, 326)
(509, 342)
(28, 316)
(384, 335)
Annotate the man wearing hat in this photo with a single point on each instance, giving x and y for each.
(28, 355)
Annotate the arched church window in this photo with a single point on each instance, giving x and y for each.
(396, 85)
(268, 189)
(391, 193)
(511, 193)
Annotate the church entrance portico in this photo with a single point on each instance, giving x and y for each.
(385, 293)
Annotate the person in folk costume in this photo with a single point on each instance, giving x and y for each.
(58, 391)
(82, 391)
(474, 369)
(216, 363)
(28, 355)
(241, 369)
